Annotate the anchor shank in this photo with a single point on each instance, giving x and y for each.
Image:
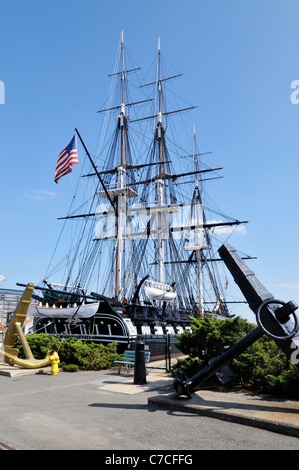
(26, 347)
(192, 384)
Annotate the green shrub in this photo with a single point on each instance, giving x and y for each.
(211, 336)
(69, 367)
(88, 356)
(84, 355)
(286, 384)
(39, 344)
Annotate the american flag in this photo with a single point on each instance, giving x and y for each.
(67, 158)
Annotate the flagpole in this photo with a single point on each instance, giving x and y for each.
(96, 171)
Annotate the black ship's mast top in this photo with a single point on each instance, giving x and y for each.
(122, 116)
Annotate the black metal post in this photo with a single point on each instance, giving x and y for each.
(140, 370)
(168, 353)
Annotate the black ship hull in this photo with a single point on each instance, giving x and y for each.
(114, 322)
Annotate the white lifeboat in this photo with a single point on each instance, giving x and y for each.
(159, 291)
(81, 311)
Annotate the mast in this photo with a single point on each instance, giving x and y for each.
(123, 106)
(160, 182)
(199, 218)
(198, 230)
(122, 191)
(120, 183)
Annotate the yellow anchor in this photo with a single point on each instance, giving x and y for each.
(15, 329)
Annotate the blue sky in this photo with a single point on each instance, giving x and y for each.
(238, 58)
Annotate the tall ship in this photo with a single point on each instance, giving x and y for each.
(143, 236)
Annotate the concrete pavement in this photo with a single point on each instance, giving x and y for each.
(264, 412)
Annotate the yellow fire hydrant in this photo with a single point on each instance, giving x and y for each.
(54, 358)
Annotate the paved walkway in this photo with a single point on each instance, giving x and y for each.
(278, 415)
(264, 412)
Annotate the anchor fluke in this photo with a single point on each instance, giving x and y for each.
(180, 385)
